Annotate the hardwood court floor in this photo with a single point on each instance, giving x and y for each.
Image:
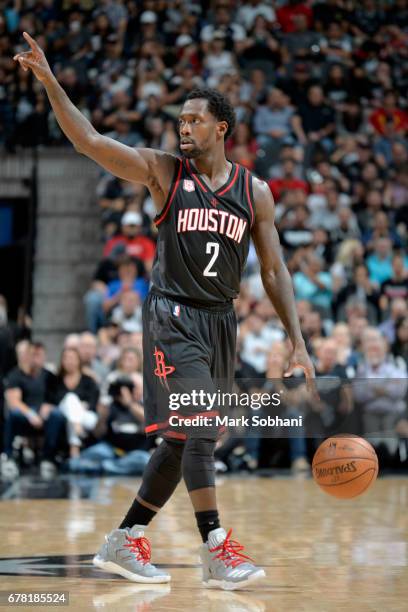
(320, 554)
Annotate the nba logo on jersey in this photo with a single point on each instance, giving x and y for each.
(188, 185)
(176, 310)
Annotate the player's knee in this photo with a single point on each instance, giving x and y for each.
(162, 473)
(198, 463)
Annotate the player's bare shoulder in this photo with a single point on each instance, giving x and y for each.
(263, 199)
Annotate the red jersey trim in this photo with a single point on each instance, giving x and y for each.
(195, 177)
(166, 208)
(249, 196)
(175, 434)
(228, 187)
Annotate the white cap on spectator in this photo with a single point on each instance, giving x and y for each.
(183, 40)
(132, 218)
(148, 17)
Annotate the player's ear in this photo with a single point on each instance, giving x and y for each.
(222, 127)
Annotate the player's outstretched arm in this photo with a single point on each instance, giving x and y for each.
(276, 278)
(148, 166)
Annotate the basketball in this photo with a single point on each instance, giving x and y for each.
(345, 466)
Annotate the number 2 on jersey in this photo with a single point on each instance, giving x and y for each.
(214, 248)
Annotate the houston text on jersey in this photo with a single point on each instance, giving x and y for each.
(206, 220)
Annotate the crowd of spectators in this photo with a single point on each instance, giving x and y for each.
(320, 92)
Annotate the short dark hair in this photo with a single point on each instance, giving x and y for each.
(218, 105)
(38, 345)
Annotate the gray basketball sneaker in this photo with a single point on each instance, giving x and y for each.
(127, 552)
(224, 566)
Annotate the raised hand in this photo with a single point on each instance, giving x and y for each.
(34, 60)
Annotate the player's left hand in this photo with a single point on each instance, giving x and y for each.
(299, 358)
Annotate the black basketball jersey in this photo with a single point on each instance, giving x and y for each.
(203, 237)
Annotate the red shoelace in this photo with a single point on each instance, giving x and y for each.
(140, 547)
(230, 552)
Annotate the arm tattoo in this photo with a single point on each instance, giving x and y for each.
(120, 163)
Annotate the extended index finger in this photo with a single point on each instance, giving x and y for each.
(311, 383)
(33, 44)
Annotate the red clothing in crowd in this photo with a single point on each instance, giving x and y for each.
(239, 154)
(278, 185)
(380, 117)
(285, 16)
(140, 246)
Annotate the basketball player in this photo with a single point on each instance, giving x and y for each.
(207, 210)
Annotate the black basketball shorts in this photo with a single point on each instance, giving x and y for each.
(188, 359)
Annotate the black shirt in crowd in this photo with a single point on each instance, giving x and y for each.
(124, 431)
(87, 391)
(34, 389)
(395, 289)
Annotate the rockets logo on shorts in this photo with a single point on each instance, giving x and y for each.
(188, 185)
(176, 310)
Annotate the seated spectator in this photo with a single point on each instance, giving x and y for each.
(322, 246)
(373, 202)
(297, 83)
(137, 245)
(108, 342)
(10, 333)
(106, 272)
(328, 12)
(312, 327)
(76, 396)
(397, 285)
(347, 226)
(298, 42)
(391, 114)
(248, 12)
(294, 226)
(335, 402)
(29, 411)
(349, 255)
(361, 288)
(379, 263)
(396, 193)
(399, 348)
(342, 337)
(350, 121)
(315, 120)
(122, 446)
(368, 17)
(128, 313)
(380, 229)
(242, 146)
(312, 283)
(380, 388)
(127, 281)
(287, 14)
(398, 309)
(261, 47)
(219, 60)
(273, 121)
(287, 180)
(328, 216)
(91, 364)
(129, 366)
(336, 46)
(256, 339)
(223, 21)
